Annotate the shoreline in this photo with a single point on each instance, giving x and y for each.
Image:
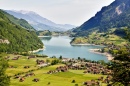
(87, 44)
(35, 51)
(109, 56)
(44, 36)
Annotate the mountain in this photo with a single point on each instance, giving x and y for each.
(21, 22)
(116, 15)
(38, 22)
(14, 38)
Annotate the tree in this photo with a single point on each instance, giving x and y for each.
(60, 57)
(48, 83)
(73, 81)
(102, 50)
(76, 85)
(47, 60)
(121, 68)
(79, 58)
(102, 62)
(127, 31)
(55, 61)
(4, 79)
(121, 64)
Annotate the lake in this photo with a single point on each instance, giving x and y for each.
(60, 46)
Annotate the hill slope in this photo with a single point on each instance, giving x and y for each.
(116, 15)
(38, 22)
(16, 38)
(23, 23)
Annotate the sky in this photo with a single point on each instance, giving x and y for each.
(74, 12)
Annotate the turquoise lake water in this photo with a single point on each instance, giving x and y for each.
(60, 45)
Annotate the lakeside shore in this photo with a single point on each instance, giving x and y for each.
(88, 44)
(82, 44)
(35, 51)
(44, 36)
(109, 56)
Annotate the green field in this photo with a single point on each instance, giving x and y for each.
(57, 79)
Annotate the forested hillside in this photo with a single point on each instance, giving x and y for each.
(18, 39)
(115, 15)
(23, 23)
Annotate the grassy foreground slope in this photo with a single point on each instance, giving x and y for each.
(58, 79)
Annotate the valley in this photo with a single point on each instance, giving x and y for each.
(34, 51)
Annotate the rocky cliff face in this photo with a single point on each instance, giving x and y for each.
(117, 14)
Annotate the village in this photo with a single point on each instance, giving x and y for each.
(25, 68)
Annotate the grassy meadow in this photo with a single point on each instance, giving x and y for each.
(57, 79)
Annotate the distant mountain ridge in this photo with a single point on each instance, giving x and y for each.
(38, 22)
(116, 15)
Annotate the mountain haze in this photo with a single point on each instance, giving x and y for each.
(116, 15)
(38, 22)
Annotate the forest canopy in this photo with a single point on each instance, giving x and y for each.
(20, 39)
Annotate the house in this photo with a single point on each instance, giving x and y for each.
(35, 80)
(65, 59)
(58, 69)
(29, 74)
(44, 64)
(26, 67)
(15, 58)
(39, 62)
(91, 83)
(21, 79)
(32, 56)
